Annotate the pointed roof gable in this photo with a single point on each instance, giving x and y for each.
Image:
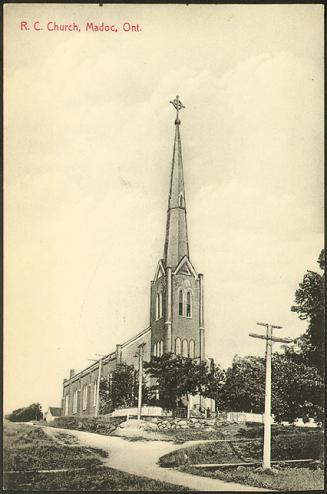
(160, 271)
(185, 267)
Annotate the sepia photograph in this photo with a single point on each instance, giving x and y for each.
(164, 317)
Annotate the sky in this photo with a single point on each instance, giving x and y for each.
(88, 135)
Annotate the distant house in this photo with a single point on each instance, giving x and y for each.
(52, 413)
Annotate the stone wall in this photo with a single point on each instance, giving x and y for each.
(158, 423)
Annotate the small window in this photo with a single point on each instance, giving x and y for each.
(188, 304)
(67, 405)
(161, 348)
(155, 349)
(185, 348)
(75, 398)
(178, 346)
(192, 349)
(157, 306)
(180, 201)
(85, 397)
(95, 392)
(180, 303)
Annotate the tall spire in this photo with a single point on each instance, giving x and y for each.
(176, 244)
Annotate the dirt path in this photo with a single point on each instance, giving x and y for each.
(141, 457)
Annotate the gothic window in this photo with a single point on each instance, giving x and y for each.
(84, 402)
(185, 348)
(95, 392)
(161, 347)
(155, 349)
(157, 306)
(75, 396)
(180, 303)
(66, 404)
(188, 304)
(178, 346)
(192, 349)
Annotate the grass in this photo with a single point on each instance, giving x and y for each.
(287, 443)
(28, 449)
(229, 431)
(95, 479)
(282, 478)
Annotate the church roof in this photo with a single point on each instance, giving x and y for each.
(176, 243)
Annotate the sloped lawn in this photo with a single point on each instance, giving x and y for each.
(290, 445)
(28, 449)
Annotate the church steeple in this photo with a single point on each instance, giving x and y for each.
(176, 244)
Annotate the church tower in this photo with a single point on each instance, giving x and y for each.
(176, 310)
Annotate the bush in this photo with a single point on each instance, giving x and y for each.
(25, 414)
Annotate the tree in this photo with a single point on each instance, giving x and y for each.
(25, 414)
(214, 384)
(105, 404)
(297, 390)
(121, 391)
(309, 300)
(176, 377)
(244, 387)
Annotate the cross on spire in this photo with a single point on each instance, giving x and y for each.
(178, 105)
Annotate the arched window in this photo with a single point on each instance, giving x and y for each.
(192, 349)
(178, 346)
(157, 306)
(95, 392)
(188, 304)
(85, 397)
(180, 303)
(185, 348)
(161, 347)
(66, 404)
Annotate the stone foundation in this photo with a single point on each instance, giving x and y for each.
(158, 423)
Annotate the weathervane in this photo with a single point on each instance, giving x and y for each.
(178, 105)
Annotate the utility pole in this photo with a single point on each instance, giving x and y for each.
(139, 402)
(97, 401)
(266, 464)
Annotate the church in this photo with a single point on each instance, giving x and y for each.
(176, 305)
